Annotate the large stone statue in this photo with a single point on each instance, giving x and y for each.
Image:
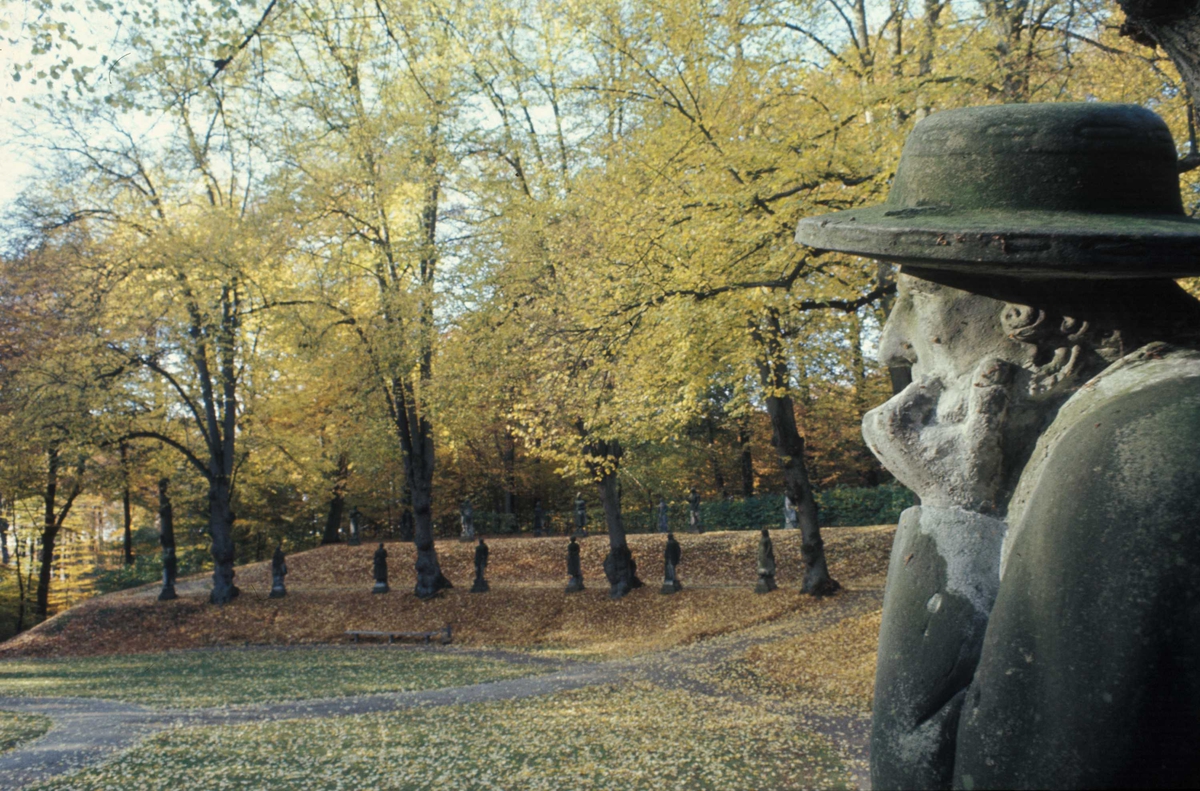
(672, 554)
(581, 518)
(481, 561)
(468, 522)
(166, 537)
(664, 522)
(694, 525)
(539, 519)
(356, 520)
(278, 572)
(766, 564)
(1041, 622)
(574, 567)
(381, 577)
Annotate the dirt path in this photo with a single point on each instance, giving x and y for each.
(87, 731)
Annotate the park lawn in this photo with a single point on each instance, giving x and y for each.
(198, 679)
(17, 728)
(628, 738)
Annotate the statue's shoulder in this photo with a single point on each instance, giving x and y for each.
(1121, 474)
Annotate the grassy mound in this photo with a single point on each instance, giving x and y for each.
(329, 592)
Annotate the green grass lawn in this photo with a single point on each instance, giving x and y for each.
(634, 737)
(196, 679)
(16, 728)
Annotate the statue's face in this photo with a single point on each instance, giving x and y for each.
(944, 435)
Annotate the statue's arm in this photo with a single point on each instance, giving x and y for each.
(1090, 671)
(942, 579)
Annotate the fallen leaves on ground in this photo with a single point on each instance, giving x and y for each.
(634, 737)
(329, 592)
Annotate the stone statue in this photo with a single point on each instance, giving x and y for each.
(355, 527)
(574, 568)
(381, 580)
(1040, 626)
(279, 570)
(664, 525)
(468, 521)
(581, 518)
(166, 537)
(694, 525)
(672, 554)
(766, 564)
(539, 519)
(791, 519)
(481, 561)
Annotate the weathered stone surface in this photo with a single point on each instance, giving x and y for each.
(468, 522)
(574, 567)
(766, 564)
(1039, 190)
(356, 521)
(942, 580)
(694, 523)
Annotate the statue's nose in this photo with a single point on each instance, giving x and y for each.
(895, 349)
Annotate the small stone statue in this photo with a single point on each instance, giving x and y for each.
(791, 519)
(766, 564)
(468, 521)
(166, 537)
(672, 554)
(279, 570)
(580, 515)
(539, 519)
(574, 567)
(355, 527)
(481, 561)
(381, 581)
(664, 525)
(407, 526)
(694, 525)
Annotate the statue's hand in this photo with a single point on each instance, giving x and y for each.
(944, 439)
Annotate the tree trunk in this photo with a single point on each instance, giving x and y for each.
(337, 502)
(220, 525)
(1173, 25)
(619, 567)
(746, 461)
(51, 525)
(773, 371)
(509, 459)
(126, 504)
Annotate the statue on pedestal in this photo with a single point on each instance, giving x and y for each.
(381, 571)
(481, 561)
(672, 554)
(574, 568)
(539, 519)
(1040, 624)
(355, 527)
(468, 521)
(694, 525)
(791, 519)
(664, 524)
(581, 517)
(278, 572)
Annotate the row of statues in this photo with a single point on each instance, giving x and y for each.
(619, 568)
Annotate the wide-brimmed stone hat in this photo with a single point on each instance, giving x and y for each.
(1031, 190)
